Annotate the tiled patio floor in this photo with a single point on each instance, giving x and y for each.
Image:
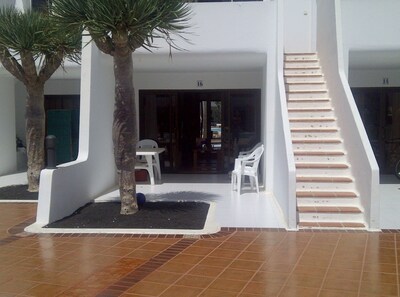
(231, 263)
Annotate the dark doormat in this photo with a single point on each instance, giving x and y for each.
(17, 192)
(152, 215)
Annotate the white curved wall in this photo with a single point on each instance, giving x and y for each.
(74, 184)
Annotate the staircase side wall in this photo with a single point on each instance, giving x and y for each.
(363, 164)
(283, 171)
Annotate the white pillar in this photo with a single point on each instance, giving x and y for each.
(8, 153)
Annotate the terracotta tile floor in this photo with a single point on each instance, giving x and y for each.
(232, 263)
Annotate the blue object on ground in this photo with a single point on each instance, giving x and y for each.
(141, 198)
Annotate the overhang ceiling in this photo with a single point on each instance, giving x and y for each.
(374, 59)
(192, 62)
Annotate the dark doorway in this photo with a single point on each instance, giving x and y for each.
(380, 111)
(62, 121)
(202, 131)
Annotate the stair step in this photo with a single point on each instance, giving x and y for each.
(319, 103)
(302, 72)
(319, 153)
(325, 194)
(347, 201)
(322, 165)
(305, 82)
(308, 100)
(320, 159)
(310, 109)
(300, 53)
(302, 67)
(302, 146)
(314, 130)
(312, 120)
(328, 184)
(288, 75)
(306, 87)
(331, 225)
(324, 179)
(316, 141)
(289, 59)
(311, 91)
(328, 209)
(331, 217)
(314, 125)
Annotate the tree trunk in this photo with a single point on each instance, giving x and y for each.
(35, 134)
(124, 131)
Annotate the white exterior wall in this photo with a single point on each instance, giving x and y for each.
(22, 4)
(74, 184)
(371, 27)
(7, 3)
(8, 152)
(370, 24)
(188, 80)
(364, 166)
(19, 4)
(299, 26)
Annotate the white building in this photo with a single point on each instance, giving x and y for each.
(235, 67)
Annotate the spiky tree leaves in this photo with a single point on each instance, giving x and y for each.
(118, 28)
(32, 48)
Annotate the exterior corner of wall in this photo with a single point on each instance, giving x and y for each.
(375, 219)
(45, 193)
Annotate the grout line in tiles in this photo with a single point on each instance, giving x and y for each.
(226, 267)
(145, 269)
(187, 272)
(296, 264)
(329, 265)
(276, 247)
(397, 265)
(363, 265)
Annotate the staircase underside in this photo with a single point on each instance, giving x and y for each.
(325, 188)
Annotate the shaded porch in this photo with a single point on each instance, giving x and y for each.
(232, 210)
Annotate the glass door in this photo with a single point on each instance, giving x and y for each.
(158, 121)
(380, 111)
(202, 131)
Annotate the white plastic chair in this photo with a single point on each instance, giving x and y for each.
(247, 166)
(141, 162)
(246, 153)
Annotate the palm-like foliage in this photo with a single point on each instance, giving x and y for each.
(32, 48)
(118, 28)
(140, 20)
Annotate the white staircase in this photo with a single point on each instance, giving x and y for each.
(325, 189)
